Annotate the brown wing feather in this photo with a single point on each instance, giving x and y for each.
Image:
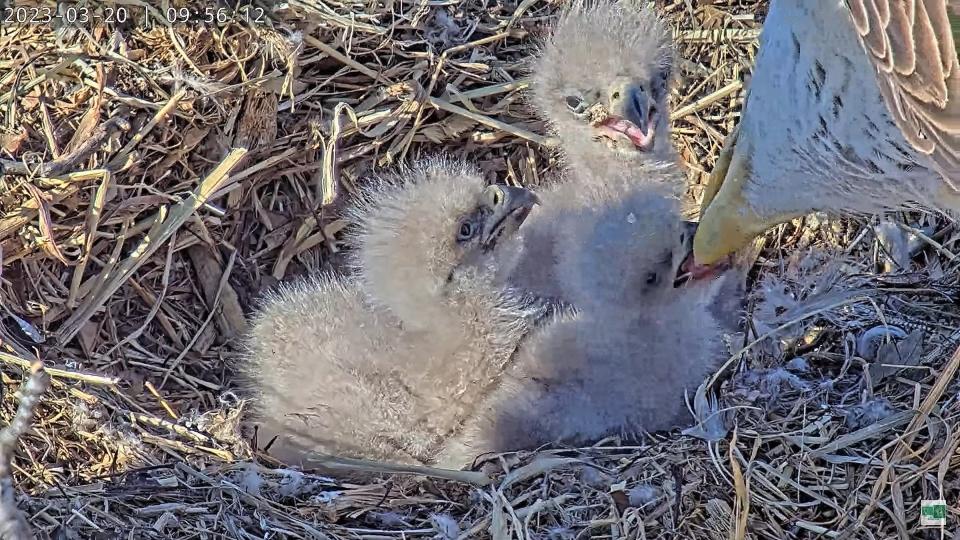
(912, 45)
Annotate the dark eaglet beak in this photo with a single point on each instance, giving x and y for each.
(508, 208)
(688, 267)
(633, 104)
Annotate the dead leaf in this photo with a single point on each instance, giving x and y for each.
(91, 118)
(192, 136)
(89, 122)
(741, 506)
(46, 223)
(450, 128)
(893, 356)
(229, 317)
(32, 100)
(10, 142)
(621, 500)
(88, 338)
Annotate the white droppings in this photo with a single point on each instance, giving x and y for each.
(642, 495)
(868, 413)
(594, 478)
(250, 480)
(798, 363)
(447, 528)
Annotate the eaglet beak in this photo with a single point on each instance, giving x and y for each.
(509, 208)
(633, 115)
(688, 269)
(727, 221)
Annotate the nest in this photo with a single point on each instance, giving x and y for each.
(157, 177)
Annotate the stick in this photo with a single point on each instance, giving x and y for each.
(12, 523)
(68, 161)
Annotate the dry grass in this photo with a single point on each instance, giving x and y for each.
(136, 234)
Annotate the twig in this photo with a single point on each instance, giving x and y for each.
(351, 464)
(68, 161)
(163, 402)
(741, 35)
(706, 101)
(547, 142)
(12, 523)
(142, 133)
(61, 373)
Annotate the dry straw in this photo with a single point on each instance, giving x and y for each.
(156, 178)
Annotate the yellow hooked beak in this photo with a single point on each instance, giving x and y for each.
(727, 222)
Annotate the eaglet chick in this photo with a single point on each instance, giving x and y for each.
(602, 82)
(621, 364)
(385, 364)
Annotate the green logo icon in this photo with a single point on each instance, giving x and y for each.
(933, 513)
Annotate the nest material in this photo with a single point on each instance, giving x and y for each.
(157, 178)
(597, 114)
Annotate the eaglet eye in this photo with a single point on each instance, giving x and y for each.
(575, 104)
(497, 197)
(466, 231)
(652, 278)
